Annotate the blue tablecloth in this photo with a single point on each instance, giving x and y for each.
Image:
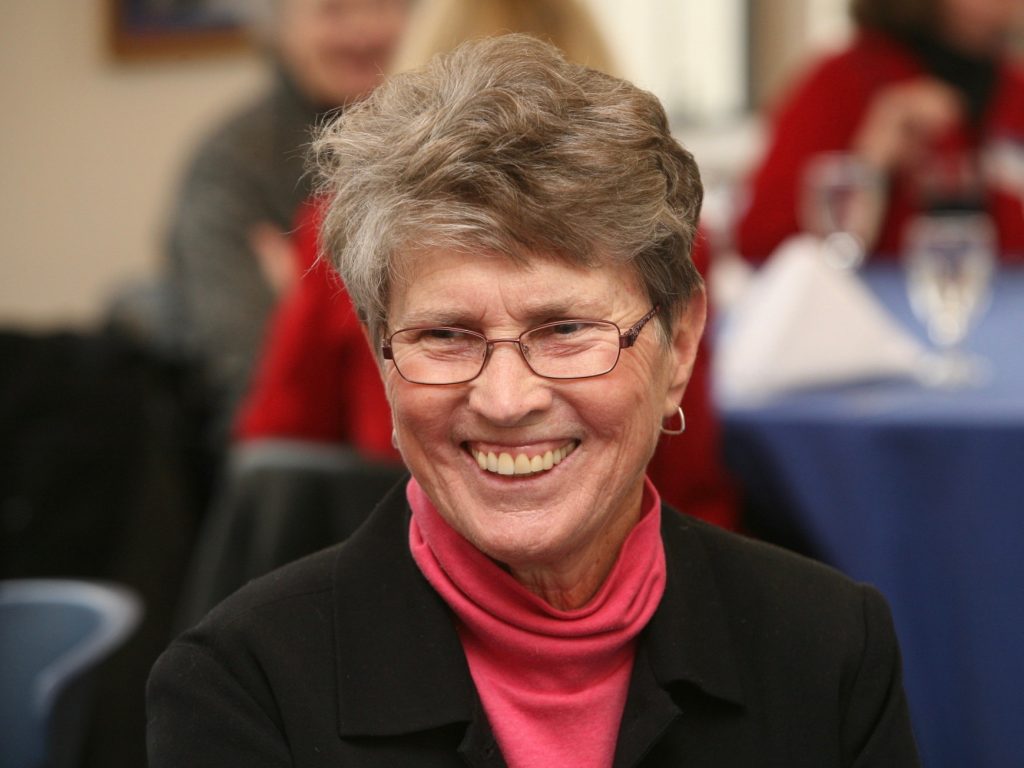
(920, 492)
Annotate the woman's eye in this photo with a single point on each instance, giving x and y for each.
(441, 334)
(446, 341)
(567, 329)
(570, 331)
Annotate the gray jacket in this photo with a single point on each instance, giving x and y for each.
(251, 169)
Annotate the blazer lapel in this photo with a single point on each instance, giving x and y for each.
(685, 661)
(399, 663)
(688, 637)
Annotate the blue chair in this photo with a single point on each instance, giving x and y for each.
(52, 633)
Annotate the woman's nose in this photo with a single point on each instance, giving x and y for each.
(507, 391)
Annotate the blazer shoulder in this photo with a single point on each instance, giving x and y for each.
(751, 572)
(315, 579)
(276, 593)
(807, 644)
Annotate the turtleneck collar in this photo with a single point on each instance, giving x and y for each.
(553, 682)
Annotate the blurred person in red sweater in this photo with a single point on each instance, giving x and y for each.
(925, 88)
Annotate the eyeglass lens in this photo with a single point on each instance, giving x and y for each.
(566, 350)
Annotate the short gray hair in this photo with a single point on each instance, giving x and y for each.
(503, 146)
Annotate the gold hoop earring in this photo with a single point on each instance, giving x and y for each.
(682, 424)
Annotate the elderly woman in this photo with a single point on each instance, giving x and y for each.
(515, 232)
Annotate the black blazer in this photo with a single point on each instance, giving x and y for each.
(755, 657)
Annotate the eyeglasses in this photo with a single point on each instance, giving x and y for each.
(564, 349)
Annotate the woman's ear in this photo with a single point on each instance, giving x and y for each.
(374, 348)
(689, 327)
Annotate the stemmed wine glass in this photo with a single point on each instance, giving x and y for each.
(949, 261)
(841, 202)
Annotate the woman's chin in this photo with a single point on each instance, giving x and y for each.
(517, 519)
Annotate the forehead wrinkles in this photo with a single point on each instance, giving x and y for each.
(412, 247)
(496, 289)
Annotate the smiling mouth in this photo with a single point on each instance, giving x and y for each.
(521, 463)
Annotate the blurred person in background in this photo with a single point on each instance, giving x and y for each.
(246, 181)
(923, 90)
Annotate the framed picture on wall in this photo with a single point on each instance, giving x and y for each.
(148, 29)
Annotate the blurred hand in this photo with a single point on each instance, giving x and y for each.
(276, 255)
(903, 119)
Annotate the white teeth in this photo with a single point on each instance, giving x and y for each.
(521, 464)
(505, 465)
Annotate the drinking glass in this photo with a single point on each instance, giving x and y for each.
(949, 262)
(841, 202)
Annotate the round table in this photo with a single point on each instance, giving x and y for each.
(920, 492)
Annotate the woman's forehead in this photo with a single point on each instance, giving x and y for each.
(438, 281)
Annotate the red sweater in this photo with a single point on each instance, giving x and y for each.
(317, 380)
(823, 112)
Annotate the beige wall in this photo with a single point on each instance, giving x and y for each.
(90, 150)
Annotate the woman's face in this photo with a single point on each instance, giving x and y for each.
(584, 505)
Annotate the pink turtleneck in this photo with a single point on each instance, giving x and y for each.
(553, 682)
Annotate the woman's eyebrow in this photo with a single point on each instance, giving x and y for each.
(567, 310)
(440, 317)
(529, 315)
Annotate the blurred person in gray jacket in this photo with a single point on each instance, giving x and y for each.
(245, 181)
